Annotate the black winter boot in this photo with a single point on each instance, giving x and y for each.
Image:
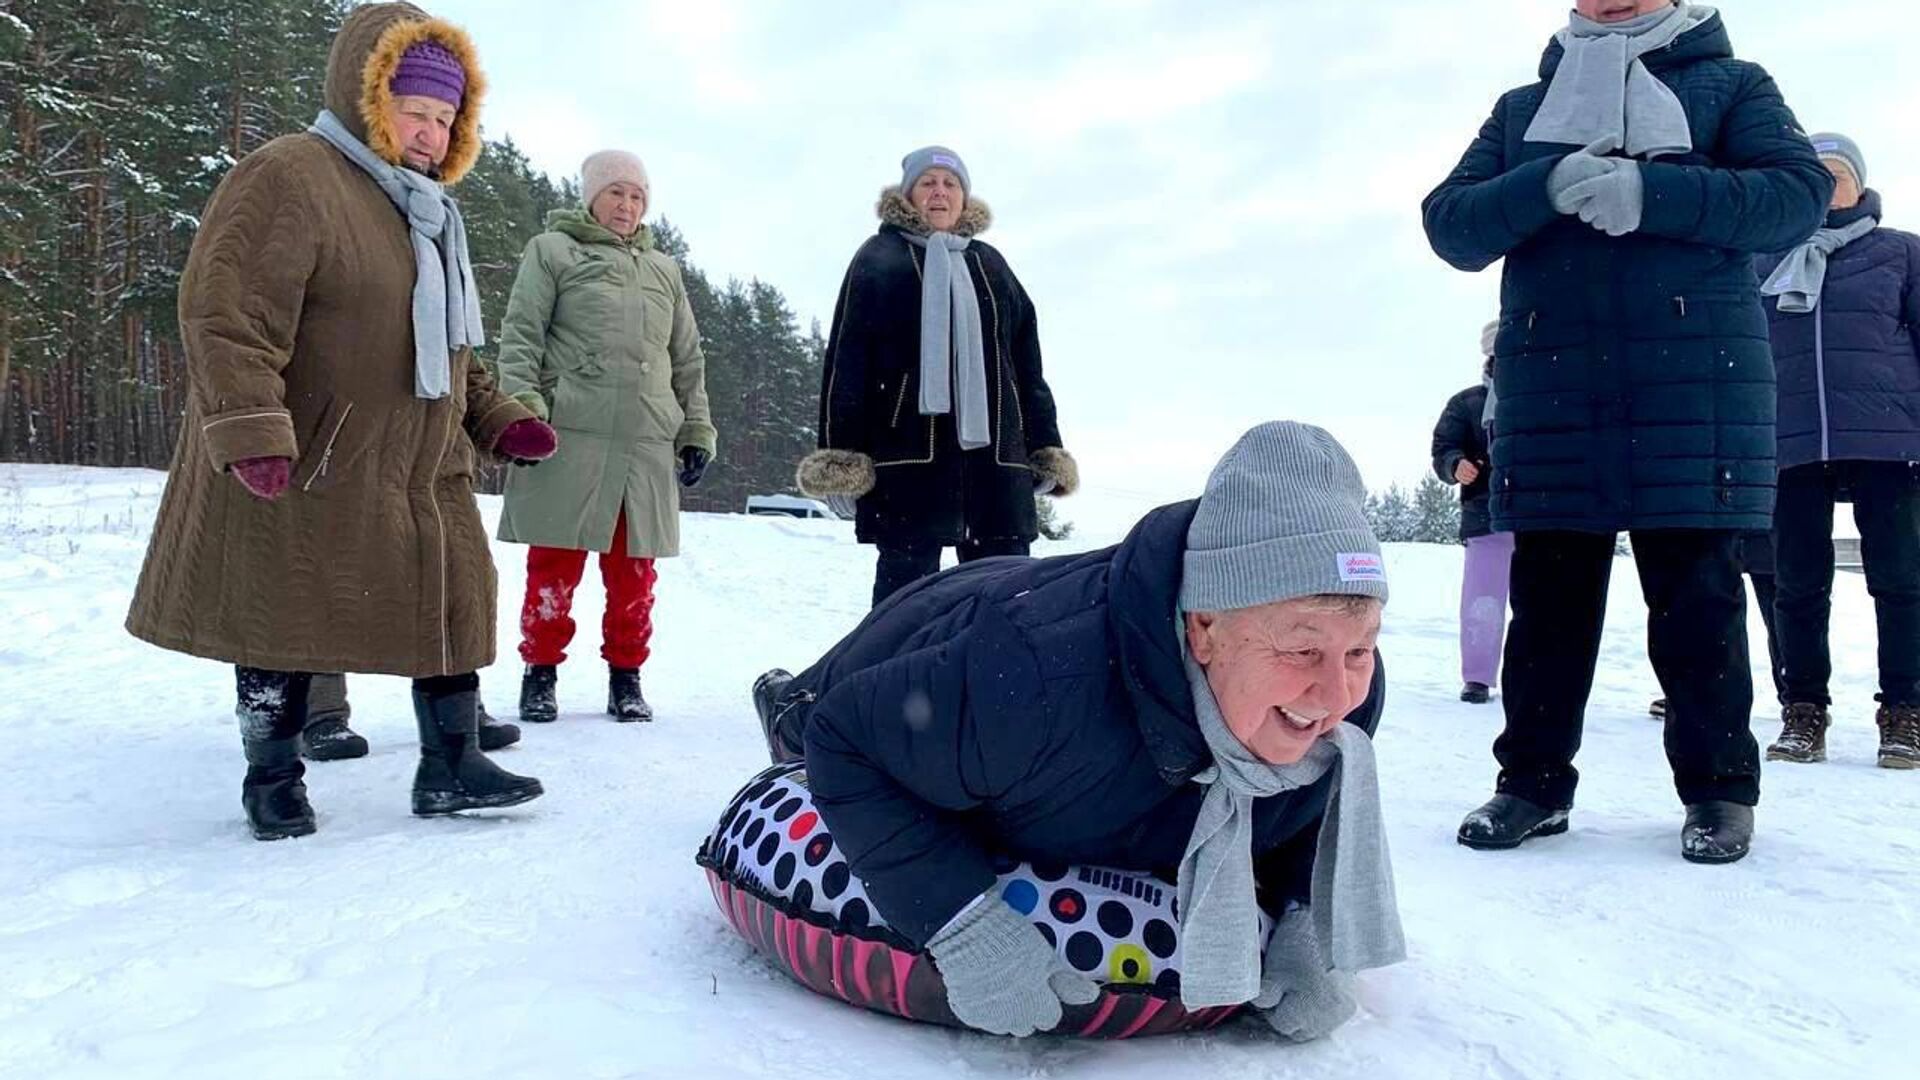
(769, 701)
(272, 708)
(1507, 821)
(453, 774)
(495, 734)
(1716, 832)
(624, 700)
(537, 704)
(331, 739)
(1476, 693)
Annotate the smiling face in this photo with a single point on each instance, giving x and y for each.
(619, 207)
(939, 198)
(1284, 674)
(1613, 11)
(424, 129)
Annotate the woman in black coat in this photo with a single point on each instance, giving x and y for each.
(935, 415)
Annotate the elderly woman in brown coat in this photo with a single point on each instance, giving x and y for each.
(319, 513)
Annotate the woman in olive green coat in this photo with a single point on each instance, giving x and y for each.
(599, 340)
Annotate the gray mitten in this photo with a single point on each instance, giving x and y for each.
(1001, 975)
(1612, 203)
(1299, 997)
(1578, 168)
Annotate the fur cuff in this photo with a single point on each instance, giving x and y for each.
(1051, 463)
(826, 473)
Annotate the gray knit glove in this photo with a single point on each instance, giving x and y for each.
(1612, 203)
(1577, 168)
(1299, 997)
(1001, 975)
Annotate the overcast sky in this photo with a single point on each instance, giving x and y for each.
(1215, 206)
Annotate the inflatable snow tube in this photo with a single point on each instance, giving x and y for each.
(784, 885)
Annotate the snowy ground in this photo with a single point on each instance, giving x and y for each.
(142, 933)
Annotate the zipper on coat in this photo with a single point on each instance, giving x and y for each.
(440, 526)
(326, 454)
(900, 402)
(1680, 302)
(1820, 377)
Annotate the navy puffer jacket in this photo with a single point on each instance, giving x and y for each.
(1850, 369)
(1036, 708)
(1634, 377)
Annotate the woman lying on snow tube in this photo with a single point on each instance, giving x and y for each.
(1192, 706)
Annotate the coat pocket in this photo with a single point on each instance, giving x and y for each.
(656, 315)
(328, 451)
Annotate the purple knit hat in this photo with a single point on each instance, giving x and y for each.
(428, 69)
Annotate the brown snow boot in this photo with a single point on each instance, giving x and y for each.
(1899, 736)
(1803, 733)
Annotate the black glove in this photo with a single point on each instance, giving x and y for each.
(693, 465)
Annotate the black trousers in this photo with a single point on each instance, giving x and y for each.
(1886, 507)
(901, 565)
(1696, 639)
(1766, 592)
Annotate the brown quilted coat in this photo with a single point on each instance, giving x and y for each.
(295, 309)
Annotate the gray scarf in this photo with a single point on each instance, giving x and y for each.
(1602, 89)
(950, 333)
(1492, 406)
(1798, 279)
(446, 301)
(1354, 911)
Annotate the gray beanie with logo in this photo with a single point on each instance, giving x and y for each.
(1830, 144)
(1283, 517)
(933, 157)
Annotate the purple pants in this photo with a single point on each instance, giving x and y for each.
(1483, 607)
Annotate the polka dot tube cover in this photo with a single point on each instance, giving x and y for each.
(1116, 927)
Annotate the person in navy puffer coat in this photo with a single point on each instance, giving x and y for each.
(1172, 705)
(1846, 344)
(1628, 190)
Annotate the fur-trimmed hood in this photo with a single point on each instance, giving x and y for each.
(895, 210)
(362, 61)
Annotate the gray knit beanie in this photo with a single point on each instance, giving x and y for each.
(933, 157)
(1489, 334)
(1283, 517)
(1832, 145)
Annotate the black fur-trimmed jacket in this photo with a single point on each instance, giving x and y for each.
(926, 490)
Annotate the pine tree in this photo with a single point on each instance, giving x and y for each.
(1436, 512)
(1051, 526)
(1392, 517)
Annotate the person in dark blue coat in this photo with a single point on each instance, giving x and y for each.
(1627, 190)
(1846, 343)
(1176, 705)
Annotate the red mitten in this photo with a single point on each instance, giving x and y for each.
(265, 477)
(527, 441)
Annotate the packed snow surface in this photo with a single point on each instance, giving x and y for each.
(144, 934)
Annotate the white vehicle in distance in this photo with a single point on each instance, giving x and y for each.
(793, 506)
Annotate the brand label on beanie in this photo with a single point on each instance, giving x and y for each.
(1361, 566)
